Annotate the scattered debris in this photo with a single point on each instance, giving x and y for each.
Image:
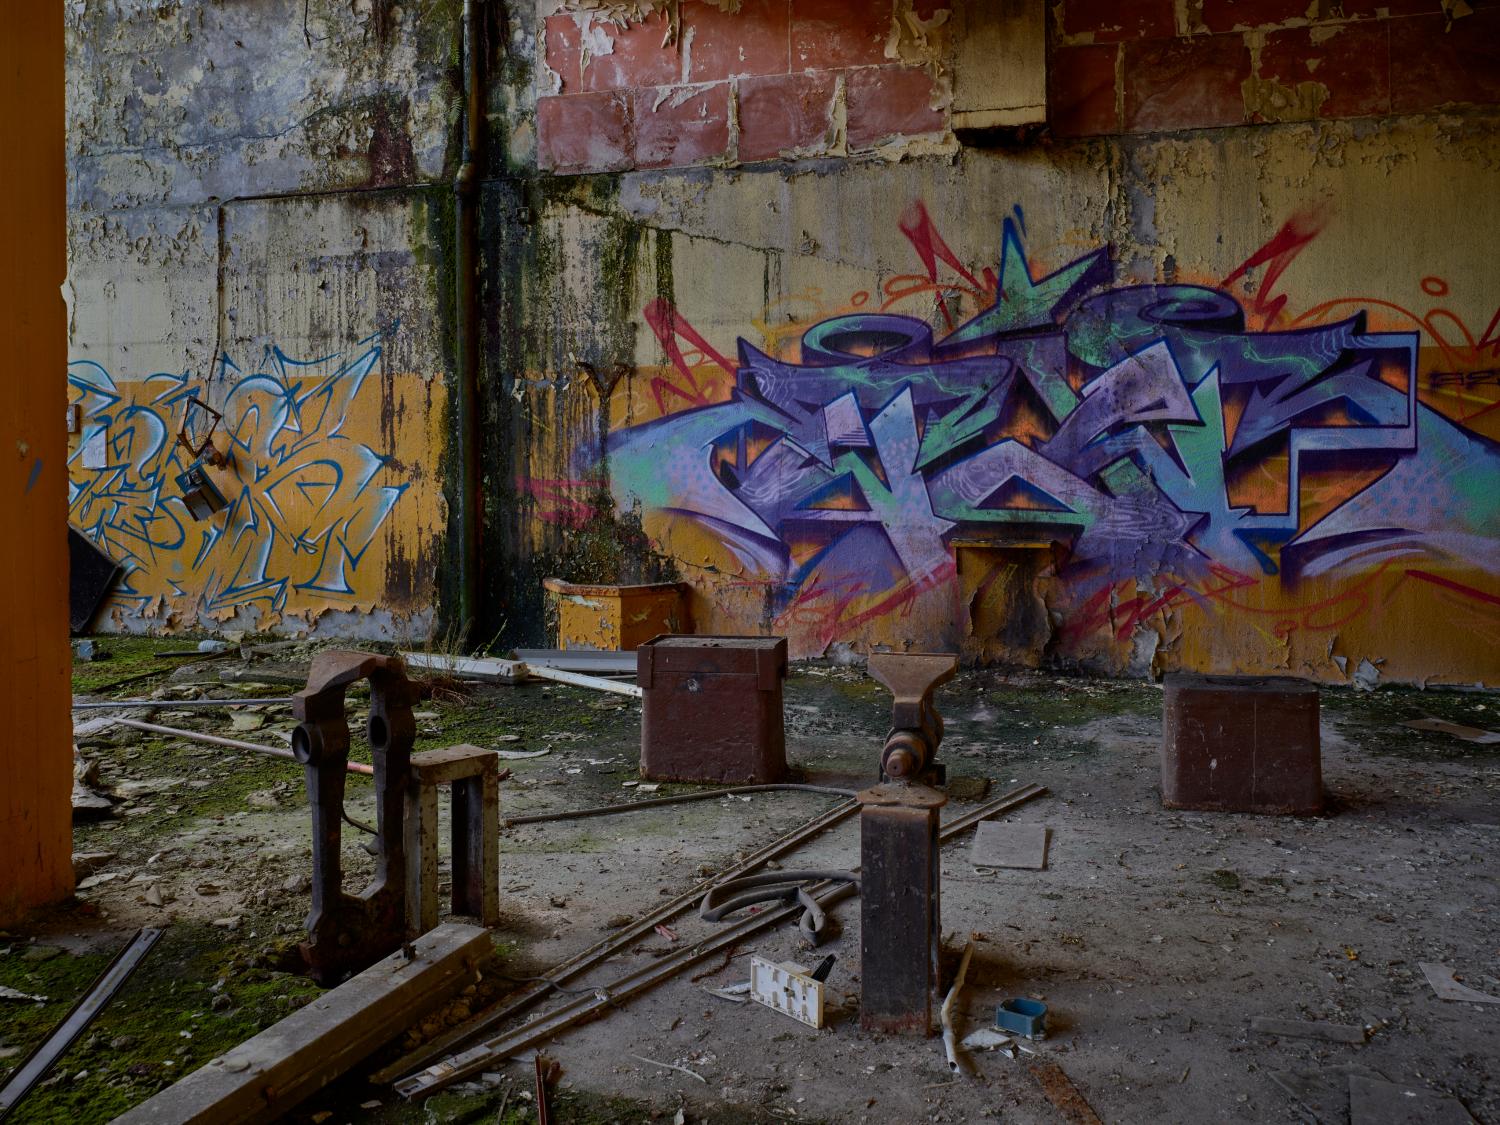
(1022, 1016)
(265, 1076)
(496, 671)
(945, 1014)
(1308, 1029)
(98, 880)
(86, 863)
(12, 994)
(246, 720)
(34, 1067)
(788, 988)
(986, 1039)
(738, 993)
(1367, 675)
(516, 755)
(458, 1066)
(88, 802)
(1022, 847)
(671, 1066)
(1447, 986)
(1325, 1092)
(1373, 1102)
(1457, 730)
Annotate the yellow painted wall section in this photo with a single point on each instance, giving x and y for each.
(36, 760)
(334, 497)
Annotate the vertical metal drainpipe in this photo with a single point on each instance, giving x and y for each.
(466, 189)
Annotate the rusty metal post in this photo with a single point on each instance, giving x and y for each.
(900, 908)
(901, 874)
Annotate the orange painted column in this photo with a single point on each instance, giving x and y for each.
(36, 738)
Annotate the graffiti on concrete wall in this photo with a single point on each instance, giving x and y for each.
(306, 498)
(1154, 430)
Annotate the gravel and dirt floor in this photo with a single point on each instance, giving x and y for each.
(1154, 937)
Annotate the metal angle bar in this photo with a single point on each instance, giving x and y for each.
(232, 743)
(459, 1066)
(510, 671)
(577, 679)
(675, 799)
(598, 661)
(35, 1065)
(602, 951)
(475, 1059)
(174, 704)
(1003, 803)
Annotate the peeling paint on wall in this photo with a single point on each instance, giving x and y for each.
(1194, 462)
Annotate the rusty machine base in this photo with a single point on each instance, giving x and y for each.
(900, 863)
(1245, 744)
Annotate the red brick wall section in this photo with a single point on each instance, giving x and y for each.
(791, 78)
(1142, 66)
(777, 78)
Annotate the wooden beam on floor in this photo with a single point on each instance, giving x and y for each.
(269, 1074)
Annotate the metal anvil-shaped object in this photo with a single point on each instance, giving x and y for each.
(347, 933)
(901, 869)
(916, 728)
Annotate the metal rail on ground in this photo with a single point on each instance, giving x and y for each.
(461, 1065)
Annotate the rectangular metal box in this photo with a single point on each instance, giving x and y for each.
(615, 618)
(1241, 744)
(712, 709)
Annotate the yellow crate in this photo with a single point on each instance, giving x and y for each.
(616, 617)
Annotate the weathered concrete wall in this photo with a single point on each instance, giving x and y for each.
(1167, 396)
(259, 216)
(1165, 339)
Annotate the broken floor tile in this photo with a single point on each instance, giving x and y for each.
(1308, 1029)
(1019, 846)
(1373, 1102)
(1324, 1092)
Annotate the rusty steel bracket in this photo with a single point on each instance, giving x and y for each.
(347, 933)
(916, 727)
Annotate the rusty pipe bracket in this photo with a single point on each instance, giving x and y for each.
(347, 933)
(916, 727)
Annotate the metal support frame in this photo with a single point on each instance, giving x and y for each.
(474, 774)
(347, 933)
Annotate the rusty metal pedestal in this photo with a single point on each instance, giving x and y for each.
(900, 911)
